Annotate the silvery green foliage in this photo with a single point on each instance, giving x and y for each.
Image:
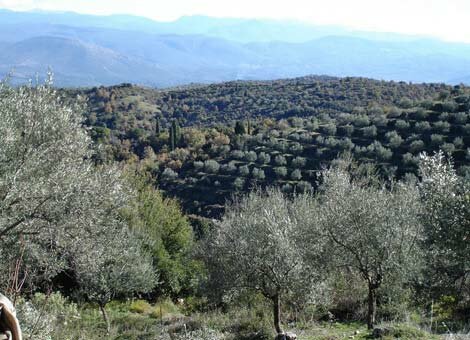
(446, 217)
(35, 324)
(113, 265)
(376, 229)
(200, 334)
(53, 200)
(43, 315)
(260, 245)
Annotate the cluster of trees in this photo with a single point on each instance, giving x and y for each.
(398, 231)
(98, 231)
(279, 133)
(289, 153)
(127, 117)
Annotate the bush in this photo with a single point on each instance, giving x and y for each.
(169, 174)
(458, 142)
(361, 121)
(369, 131)
(280, 171)
(198, 165)
(304, 187)
(280, 160)
(296, 175)
(43, 316)
(199, 334)
(252, 330)
(251, 156)
(394, 139)
(448, 148)
(239, 183)
(402, 331)
(443, 127)
(346, 296)
(401, 124)
(264, 158)
(436, 139)
(238, 154)
(422, 126)
(348, 129)
(164, 309)
(299, 162)
(140, 306)
(416, 146)
(244, 170)
(258, 174)
(329, 129)
(211, 166)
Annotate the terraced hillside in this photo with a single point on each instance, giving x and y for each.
(204, 143)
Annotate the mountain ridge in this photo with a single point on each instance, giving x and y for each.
(111, 54)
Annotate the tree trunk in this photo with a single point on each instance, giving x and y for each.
(277, 313)
(105, 318)
(372, 306)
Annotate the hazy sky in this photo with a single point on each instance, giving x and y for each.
(448, 19)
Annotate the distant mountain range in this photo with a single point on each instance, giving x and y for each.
(84, 50)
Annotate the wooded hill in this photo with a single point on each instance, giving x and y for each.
(203, 143)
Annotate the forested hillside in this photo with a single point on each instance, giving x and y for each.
(203, 143)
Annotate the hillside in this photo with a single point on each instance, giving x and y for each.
(227, 102)
(238, 135)
(73, 62)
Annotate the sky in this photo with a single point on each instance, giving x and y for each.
(445, 19)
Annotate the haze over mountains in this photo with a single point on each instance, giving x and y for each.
(85, 50)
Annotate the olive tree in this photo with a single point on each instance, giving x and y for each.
(375, 228)
(112, 264)
(54, 202)
(446, 219)
(45, 177)
(260, 245)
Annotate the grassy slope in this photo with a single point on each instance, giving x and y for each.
(236, 324)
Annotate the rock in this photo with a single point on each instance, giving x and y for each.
(286, 336)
